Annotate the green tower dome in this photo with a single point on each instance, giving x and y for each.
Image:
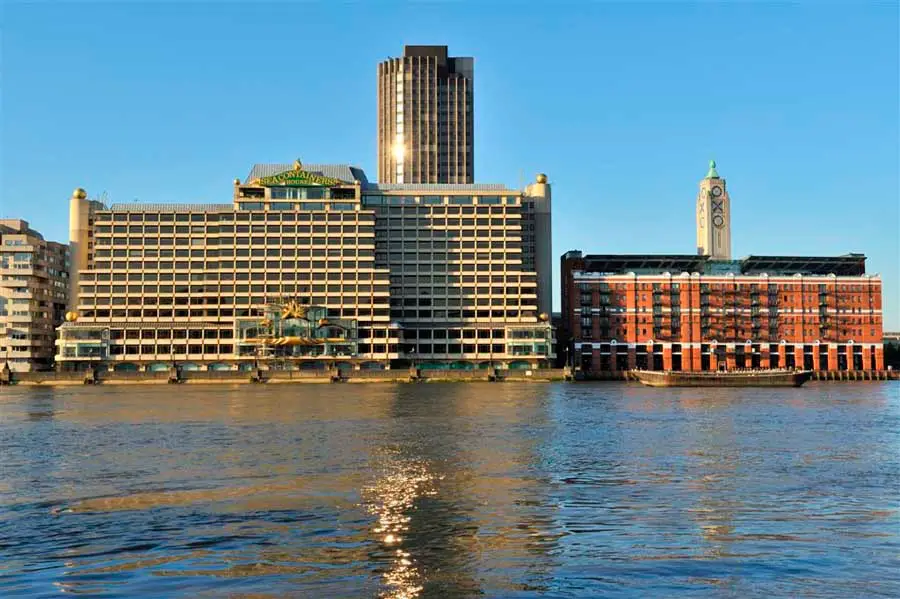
(712, 174)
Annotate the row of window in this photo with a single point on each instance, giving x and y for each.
(496, 314)
(421, 349)
(388, 206)
(725, 333)
(299, 206)
(211, 349)
(440, 267)
(433, 296)
(229, 217)
(452, 256)
(433, 201)
(411, 211)
(228, 272)
(238, 265)
(509, 277)
(219, 229)
(351, 301)
(254, 311)
(396, 280)
(218, 299)
(438, 235)
(232, 241)
(213, 288)
(334, 252)
(706, 288)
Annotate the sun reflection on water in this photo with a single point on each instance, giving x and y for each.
(391, 498)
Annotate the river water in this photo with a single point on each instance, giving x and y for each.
(456, 490)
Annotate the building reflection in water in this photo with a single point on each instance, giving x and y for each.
(442, 499)
(714, 464)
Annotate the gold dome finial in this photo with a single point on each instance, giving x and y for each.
(237, 181)
(79, 193)
(543, 317)
(541, 178)
(71, 316)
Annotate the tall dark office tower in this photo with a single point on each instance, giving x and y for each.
(425, 117)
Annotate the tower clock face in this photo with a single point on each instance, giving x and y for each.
(716, 190)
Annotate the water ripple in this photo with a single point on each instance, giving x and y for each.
(451, 491)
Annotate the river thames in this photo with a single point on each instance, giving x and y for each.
(450, 490)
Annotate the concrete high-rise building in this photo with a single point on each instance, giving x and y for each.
(34, 289)
(426, 117)
(314, 266)
(713, 217)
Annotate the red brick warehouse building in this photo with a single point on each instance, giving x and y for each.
(707, 311)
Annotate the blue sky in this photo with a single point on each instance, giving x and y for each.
(622, 105)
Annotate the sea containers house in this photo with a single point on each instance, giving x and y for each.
(312, 267)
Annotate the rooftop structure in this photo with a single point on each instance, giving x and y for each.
(846, 265)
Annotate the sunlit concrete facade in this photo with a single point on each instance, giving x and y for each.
(34, 290)
(399, 274)
(426, 117)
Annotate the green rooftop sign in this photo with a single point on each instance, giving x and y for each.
(298, 176)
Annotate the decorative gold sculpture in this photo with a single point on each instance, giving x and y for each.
(71, 316)
(293, 309)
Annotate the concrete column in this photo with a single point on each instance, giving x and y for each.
(798, 356)
(867, 357)
(690, 358)
(832, 357)
(730, 362)
(632, 358)
(782, 355)
(539, 193)
(879, 357)
(79, 215)
(667, 357)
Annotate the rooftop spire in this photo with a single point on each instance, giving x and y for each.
(712, 174)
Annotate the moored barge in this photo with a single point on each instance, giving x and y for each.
(725, 378)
